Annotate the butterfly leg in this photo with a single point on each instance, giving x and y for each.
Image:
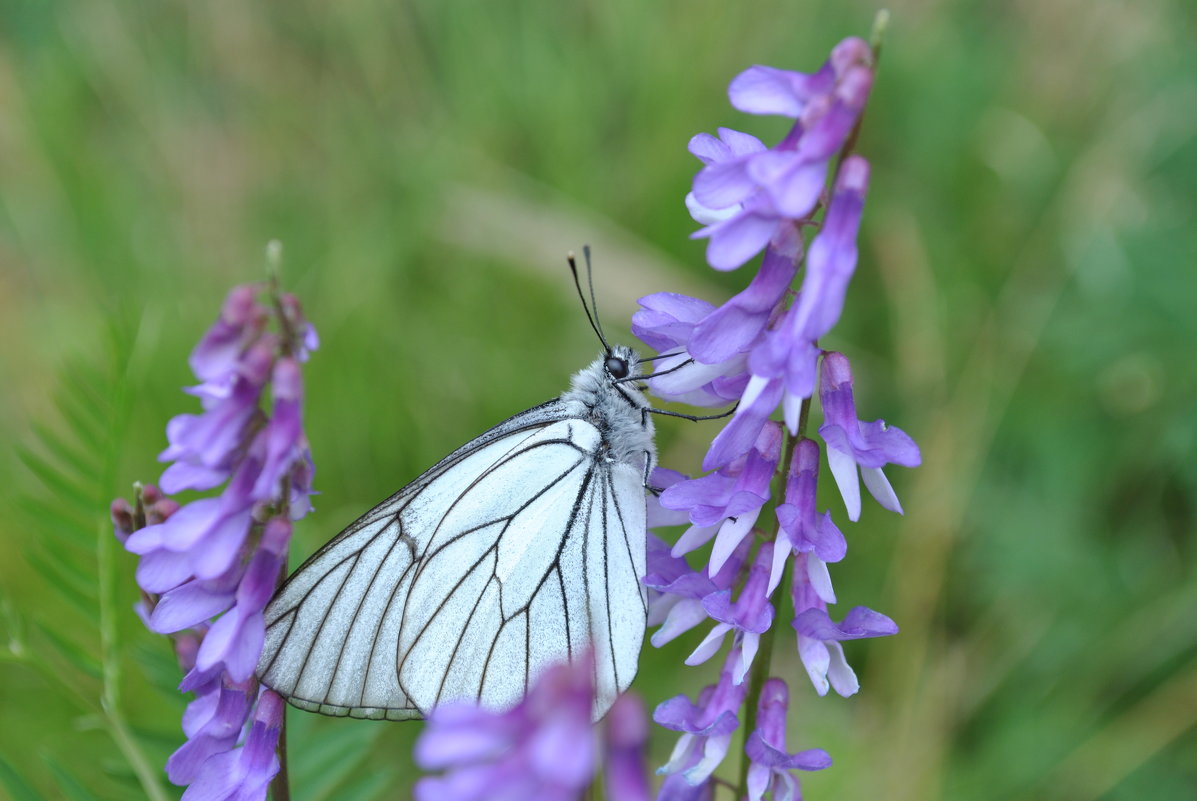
(694, 418)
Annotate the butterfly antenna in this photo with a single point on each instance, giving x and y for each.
(593, 300)
(573, 268)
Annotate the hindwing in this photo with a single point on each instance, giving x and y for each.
(522, 548)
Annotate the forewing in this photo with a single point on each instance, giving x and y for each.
(333, 629)
(535, 564)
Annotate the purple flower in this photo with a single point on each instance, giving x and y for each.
(208, 569)
(735, 327)
(706, 726)
(666, 321)
(205, 447)
(851, 443)
(542, 748)
(771, 764)
(679, 591)
(746, 193)
(726, 504)
(739, 218)
(202, 539)
(283, 439)
(801, 528)
(712, 344)
(750, 616)
(243, 774)
(789, 352)
(234, 642)
(242, 319)
(625, 738)
(213, 724)
(819, 638)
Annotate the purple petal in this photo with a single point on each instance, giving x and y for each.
(792, 183)
(665, 319)
(760, 399)
(767, 90)
(722, 185)
(187, 606)
(562, 752)
(679, 714)
(879, 487)
(762, 753)
(162, 570)
(733, 327)
(221, 545)
(461, 733)
(859, 623)
(738, 239)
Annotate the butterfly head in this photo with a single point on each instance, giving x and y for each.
(621, 362)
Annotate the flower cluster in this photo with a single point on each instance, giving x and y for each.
(760, 351)
(544, 748)
(208, 568)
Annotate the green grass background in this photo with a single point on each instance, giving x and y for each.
(1024, 307)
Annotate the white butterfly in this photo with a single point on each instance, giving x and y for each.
(523, 548)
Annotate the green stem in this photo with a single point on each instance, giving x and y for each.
(110, 664)
(280, 785)
(146, 774)
(756, 681)
(764, 656)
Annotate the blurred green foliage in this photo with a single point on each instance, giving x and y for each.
(1024, 307)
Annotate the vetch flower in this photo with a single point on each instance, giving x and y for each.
(771, 764)
(750, 616)
(219, 352)
(788, 352)
(282, 438)
(679, 591)
(625, 738)
(726, 504)
(800, 528)
(666, 321)
(244, 773)
(213, 723)
(706, 726)
(205, 447)
(734, 327)
(746, 192)
(852, 443)
(542, 748)
(208, 569)
(819, 637)
(234, 642)
(740, 219)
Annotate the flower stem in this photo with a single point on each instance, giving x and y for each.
(764, 656)
(280, 785)
(756, 680)
(106, 599)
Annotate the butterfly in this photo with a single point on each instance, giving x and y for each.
(523, 548)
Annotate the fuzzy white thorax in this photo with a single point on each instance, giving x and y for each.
(618, 410)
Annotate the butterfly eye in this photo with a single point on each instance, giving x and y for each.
(617, 367)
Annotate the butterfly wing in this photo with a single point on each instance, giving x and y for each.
(544, 575)
(425, 597)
